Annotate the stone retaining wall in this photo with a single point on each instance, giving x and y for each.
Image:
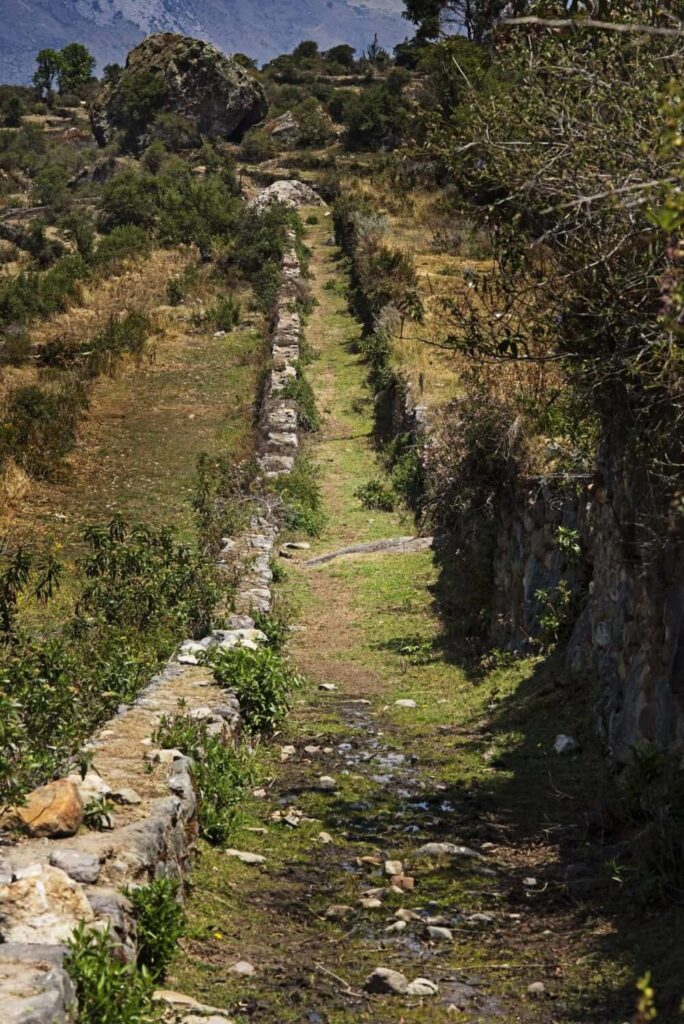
(629, 607)
(48, 885)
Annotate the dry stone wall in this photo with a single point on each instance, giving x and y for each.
(628, 606)
(62, 875)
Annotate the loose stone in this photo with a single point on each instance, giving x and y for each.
(385, 981)
(443, 934)
(398, 926)
(370, 902)
(328, 687)
(393, 867)
(243, 968)
(447, 850)
(325, 838)
(405, 703)
(536, 989)
(53, 811)
(565, 744)
(246, 857)
(338, 911)
(327, 783)
(422, 987)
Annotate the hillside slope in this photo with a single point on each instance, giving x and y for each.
(261, 29)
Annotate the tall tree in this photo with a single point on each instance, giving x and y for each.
(76, 65)
(46, 73)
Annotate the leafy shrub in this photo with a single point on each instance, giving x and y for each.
(226, 314)
(122, 243)
(221, 500)
(38, 294)
(275, 627)
(79, 227)
(129, 198)
(108, 991)
(49, 186)
(175, 295)
(160, 921)
(257, 147)
(97, 814)
(300, 389)
(262, 681)
(301, 503)
(139, 578)
(221, 773)
(376, 495)
(39, 425)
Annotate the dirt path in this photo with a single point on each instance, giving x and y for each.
(485, 917)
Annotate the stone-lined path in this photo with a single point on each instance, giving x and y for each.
(405, 876)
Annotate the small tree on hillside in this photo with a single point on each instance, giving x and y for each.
(46, 73)
(76, 65)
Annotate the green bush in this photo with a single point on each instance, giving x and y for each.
(38, 426)
(221, 773)
(226, 314)
(50, 186)
(140, 579)
(376, 495)
(107, 991)
(300, 495)
(221, 501)
(79, 228)
(175, 295)
(129, 198)
(300, 390)
(262, 680)
(160, 921)
(123, 243)
(257, 147)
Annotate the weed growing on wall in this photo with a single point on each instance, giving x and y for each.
(160, 924)
(262, 680)
(221, 773)
(108, 991)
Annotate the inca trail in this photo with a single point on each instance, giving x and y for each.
(405, 821)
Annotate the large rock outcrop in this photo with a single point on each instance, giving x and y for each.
(169, 73)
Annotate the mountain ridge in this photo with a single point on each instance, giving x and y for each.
(260, 28)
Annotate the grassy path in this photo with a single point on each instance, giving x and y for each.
(471, 764)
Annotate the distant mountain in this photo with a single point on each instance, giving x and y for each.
(260, 28)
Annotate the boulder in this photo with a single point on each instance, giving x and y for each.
(284, 129)
(187, 77)
(292, 193)
(43, 905)
(52, 811)
(34, 987)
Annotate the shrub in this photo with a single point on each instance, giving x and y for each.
(129, 198)
(262, 681)
(160, 924)
(221, 773)
(301, 505)
(80, 229)
(140, 579)
(376, 495)
(221, 501)
(127, 334)
(226, 314)
(108, 991)
(257, 147)
(175, 295)
(49, 186)
(299, 389)
(123, 243)
(39, 425)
